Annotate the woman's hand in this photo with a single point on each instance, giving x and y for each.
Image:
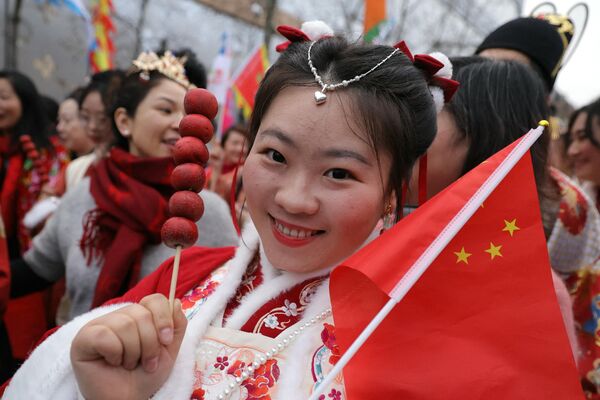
(129, 353)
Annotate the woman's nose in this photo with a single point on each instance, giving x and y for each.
(297, 197)
(573, 148)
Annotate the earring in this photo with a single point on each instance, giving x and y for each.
(125, 133)
(388, 218)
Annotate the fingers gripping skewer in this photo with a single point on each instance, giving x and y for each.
(188, 178)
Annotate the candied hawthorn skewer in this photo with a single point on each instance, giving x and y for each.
(190, 154)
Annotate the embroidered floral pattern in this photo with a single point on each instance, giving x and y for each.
(221, 363)
(264, 379)
(323, 360)
(328, 338)
(213, 377)
(271, 321)
(334, 395)
(290, 309)
(198, 394)
(191, 302)
(283, 311)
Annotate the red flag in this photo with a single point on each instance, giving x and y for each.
(246, 84)
(482, 322)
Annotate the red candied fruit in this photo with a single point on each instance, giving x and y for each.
(197, 126)
(186, 204)
(189, 149)
(178, 231)
(201, 101)
(188, 176)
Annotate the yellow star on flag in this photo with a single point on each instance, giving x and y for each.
(462, 256)
(511, 226)
(494, 250)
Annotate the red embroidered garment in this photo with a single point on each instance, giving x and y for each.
(282, 311)
(131, 194)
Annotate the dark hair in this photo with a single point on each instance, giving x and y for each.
(592, 110)
(107, 84)
(498, 102)
(76, 94)
(194, 70)
(242, 129)
(392, 102)
(34, 121)
(51, 107)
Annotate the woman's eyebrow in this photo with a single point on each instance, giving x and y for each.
(343, 153)
(277, 134)
(167, 99)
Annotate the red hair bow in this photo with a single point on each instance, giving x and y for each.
(430, 65)
(292, 35)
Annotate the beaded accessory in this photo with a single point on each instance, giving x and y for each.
(279, 347)
(170, 66)
(320, 95)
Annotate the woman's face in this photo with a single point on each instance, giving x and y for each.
(314, 187)
(235, 148)
(94, 119)
(71, 130)
(154, 129)
(11, 108)
(445, 159)
(583, 153)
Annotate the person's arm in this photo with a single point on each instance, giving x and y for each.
(24, 279)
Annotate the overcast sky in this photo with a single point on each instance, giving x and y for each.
(579, 80)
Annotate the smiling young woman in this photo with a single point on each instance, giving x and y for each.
(318, 178)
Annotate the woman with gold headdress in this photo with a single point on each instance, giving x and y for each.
(105, 235)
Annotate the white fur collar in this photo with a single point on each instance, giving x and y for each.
(47, 373)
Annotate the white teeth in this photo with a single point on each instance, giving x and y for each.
(294, 233)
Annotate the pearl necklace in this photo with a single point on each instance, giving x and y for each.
(278, 348)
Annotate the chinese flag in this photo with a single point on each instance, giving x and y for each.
(246, 84)
(482, 322)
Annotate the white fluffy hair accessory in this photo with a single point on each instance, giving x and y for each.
(316, 30)
(446, 72)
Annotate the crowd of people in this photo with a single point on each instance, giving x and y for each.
(310, 179)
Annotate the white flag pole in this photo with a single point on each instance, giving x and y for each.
(434, 249)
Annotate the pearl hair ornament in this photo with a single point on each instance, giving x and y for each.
(281, 345)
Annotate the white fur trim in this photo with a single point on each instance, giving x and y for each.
(446, 71)
(267, 291)
(47, 373)
(298, 358)
(180, 383)
(40, 211)
(438, 97)
(315, 30)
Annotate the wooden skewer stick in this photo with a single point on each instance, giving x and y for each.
(174, 277)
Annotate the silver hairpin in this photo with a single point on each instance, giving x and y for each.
(320, 95)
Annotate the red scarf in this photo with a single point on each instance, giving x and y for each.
(131, 195)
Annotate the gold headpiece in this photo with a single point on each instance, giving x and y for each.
(168, 65)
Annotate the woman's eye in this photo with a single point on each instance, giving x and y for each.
(275, 156)
(165, 110)
(338, 173)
